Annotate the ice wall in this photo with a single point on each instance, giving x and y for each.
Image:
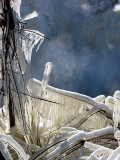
(84, 46)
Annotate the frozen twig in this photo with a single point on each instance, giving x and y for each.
(12, 143)
(79, 136)
(114, 154)
(93, 146)
(99, 152)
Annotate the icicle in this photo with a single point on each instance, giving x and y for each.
(20, 55)
(15, 4)
(29, 16)
(116, 111)
(49, 121)
(48, 68)
(33, 38)
(79, 153)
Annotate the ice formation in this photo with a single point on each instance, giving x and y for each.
(45, 122)
(109, 101)
(116, 112)
(30, 38)
(33, 38)
(48, 68)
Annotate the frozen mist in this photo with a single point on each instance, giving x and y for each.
(84, 46)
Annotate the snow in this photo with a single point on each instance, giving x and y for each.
(109, 101)
(99, 152)
(117, 8)
(8, 139)
(60, 108)
(116, 111)
(5, 151)
(114, 154)
(46, 74)
(79, 136)
(16, 7)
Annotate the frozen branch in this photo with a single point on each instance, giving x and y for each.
(79, 136)
(12, 143)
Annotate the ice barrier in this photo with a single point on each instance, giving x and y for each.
(63, 107)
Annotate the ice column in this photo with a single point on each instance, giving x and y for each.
(48, 68)
(116, 111)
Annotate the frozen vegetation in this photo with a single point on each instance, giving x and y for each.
(38, 121)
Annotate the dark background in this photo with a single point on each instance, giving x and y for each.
(83, 47)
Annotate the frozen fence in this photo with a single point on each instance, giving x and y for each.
(58, 108)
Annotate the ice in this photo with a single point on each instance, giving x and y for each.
(93, 146)
(32, 38)
(20, 55)
(100, 98)
(118, 157)
(117, 8)
(15, 146)
(5, 151)
(80, 136)
(48, 68)
(16, 7)
(114, 154)
(109, 101)
(116, 112)
(67, 129)
(100, 152)
(29, 16)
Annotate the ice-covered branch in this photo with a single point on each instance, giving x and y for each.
(55, 141)
(5, 151)
(100, 98)
(12, 143)
(114, 154)
(99, 152)
(93, 146)
(79, 136)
